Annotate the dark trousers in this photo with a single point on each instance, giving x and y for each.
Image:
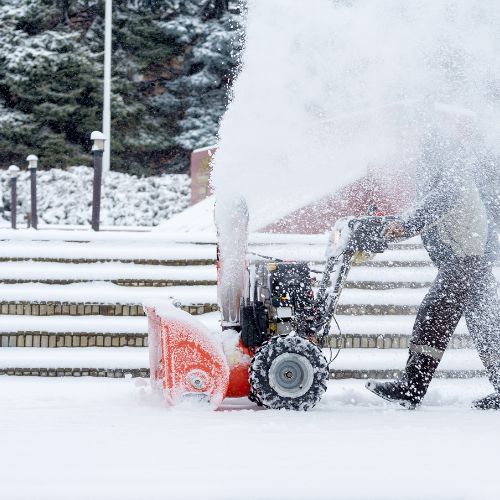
(462, 287)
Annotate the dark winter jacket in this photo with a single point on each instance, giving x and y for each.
(487, 177)
(450, 214)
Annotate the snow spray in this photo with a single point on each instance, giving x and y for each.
(332, 88)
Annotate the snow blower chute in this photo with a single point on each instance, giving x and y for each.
(274, 323)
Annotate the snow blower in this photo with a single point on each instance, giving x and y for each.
(274, 324)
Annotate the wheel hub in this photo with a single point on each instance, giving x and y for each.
(291, 375)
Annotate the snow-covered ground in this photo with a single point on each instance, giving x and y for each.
(114, 439)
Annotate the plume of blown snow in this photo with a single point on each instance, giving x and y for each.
(332, 88)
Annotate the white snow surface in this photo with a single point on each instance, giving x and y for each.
(75, 324)
(173, 250)
(198, 217)
(138, 234)
(109, 293)
(365, 324)
(382, 324)
(65, 197)
(99, 292)
(106, 250)
(103, 271)
(113, 438)
(138, 357)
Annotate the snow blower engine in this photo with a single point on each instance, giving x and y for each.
(275, 324)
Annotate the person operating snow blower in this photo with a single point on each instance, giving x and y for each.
(455, 216)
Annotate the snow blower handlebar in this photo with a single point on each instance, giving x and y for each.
(350, 237)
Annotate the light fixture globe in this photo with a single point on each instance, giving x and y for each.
(32, 161)
(13, 171)
(98, 138)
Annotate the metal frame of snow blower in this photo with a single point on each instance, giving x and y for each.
(280, 298)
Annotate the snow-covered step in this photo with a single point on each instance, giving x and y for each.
(91, 324)
(110, 299)
(92, 357)
(376, 278)
(387, 359)
(78, 372)
(130, 274)
(130, 282)
(381, 332)
(107, 271)
(152, 236)
(146, 236)
(77, 324)
(56, 251)
(40, 307)
(348, 359)
(116, 272)
(402, 297)
(62, 308)
(386, 341)
(73, 331)
(351, 363)
(117, 234)
(112, 325)
(180, 253)
(105, 293)
(394, 256)
(44, 339)
(81, 338)
(381, 325)
(109, 293)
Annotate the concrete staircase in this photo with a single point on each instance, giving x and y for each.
(71, 301)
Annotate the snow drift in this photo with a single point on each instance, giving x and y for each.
(65, 197)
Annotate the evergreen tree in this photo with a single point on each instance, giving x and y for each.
(173, 62)
(48, 86)
(211, 42)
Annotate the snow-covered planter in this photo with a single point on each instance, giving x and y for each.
(65, 197)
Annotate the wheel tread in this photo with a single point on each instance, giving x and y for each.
(264, 395)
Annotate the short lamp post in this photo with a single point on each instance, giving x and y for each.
(97, 150)
(13, 172)
(32, 166)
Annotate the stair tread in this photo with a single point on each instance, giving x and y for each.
(104, 271)
(109, 293)
(137, 357)
(350, 325)
(105, 293)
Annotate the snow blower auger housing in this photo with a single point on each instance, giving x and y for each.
(269, 350)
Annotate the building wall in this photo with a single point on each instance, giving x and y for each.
(389, 193)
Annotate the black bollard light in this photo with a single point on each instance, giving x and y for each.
(32, 166)
(97, 150)
(13, 172)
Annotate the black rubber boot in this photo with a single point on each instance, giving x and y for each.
(411, 387)
(490, 402)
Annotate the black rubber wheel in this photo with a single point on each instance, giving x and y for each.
(288, 372)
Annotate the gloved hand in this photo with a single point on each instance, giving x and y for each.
(394, 230)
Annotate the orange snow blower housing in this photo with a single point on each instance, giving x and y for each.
(188, 362)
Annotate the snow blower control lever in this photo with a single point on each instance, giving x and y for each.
(280, 297)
